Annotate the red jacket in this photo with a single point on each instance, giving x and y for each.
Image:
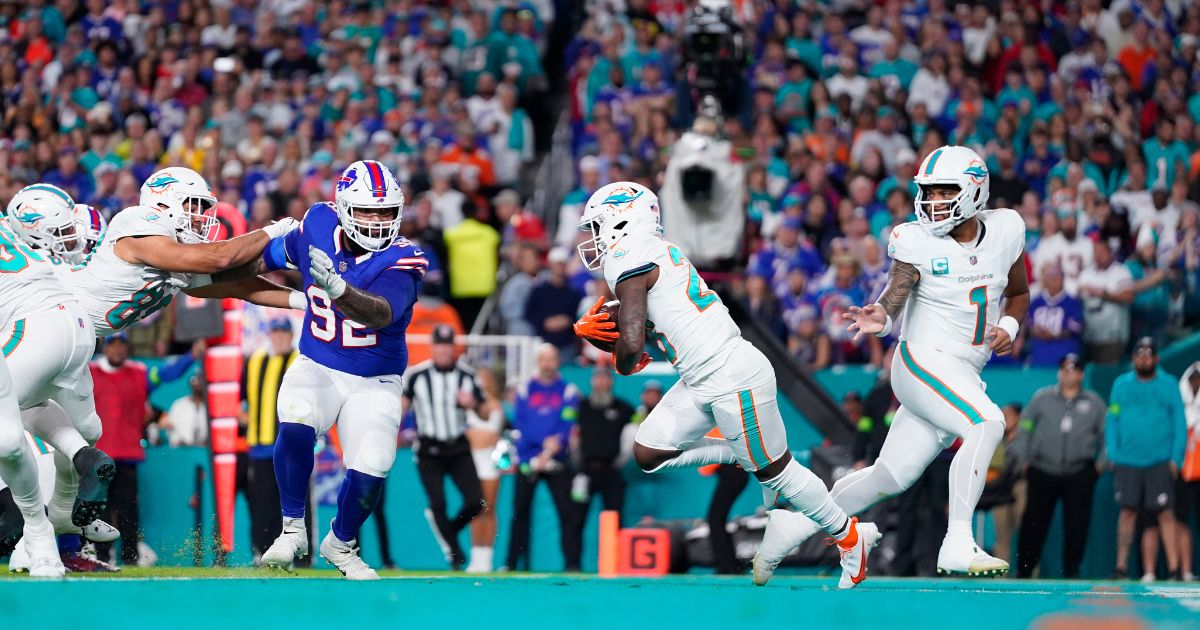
(121, 397)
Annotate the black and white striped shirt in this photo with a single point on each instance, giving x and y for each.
(433, 395)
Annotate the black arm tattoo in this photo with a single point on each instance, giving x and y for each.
(368, 309)
(255, 267)
(901, 279)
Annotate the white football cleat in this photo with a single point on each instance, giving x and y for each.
(40, 544)
(291, 544)
(96, 531)
(960, 556)
(18, 562)
(785, 531)
(344, 556)
(854, 548)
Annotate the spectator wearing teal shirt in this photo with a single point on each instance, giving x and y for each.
(1145, 435)
(794, 96)
(508, 46)
(893, 70)
(1164, 151)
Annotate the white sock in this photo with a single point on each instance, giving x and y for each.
(807, 493)
(20, 472)
(968, 472)
(51, 423)
(705, 451)
(294, 524)
(66, 487)
(481, 557)
(861, 489)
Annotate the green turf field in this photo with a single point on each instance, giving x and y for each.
(200, 598)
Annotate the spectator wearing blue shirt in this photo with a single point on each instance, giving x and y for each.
(1055, 327)
(544, 413)
(552, 305)
(1146, 435)
(787, 250)
(69, 177)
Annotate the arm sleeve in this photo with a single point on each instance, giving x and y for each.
(169, 371)
(280, 253)
(1110, 424)
(399, 288)
(409, 386)
(904, 243)
(570, 412)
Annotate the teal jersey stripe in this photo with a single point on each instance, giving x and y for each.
(933, 160)
(754, 443)
(636, 271)
(945, 392)
(18, 334)
(41, 446)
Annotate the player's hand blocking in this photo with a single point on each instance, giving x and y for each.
(596, 325)
(866, 320)
(320, 267)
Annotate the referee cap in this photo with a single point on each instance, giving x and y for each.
(443, 333)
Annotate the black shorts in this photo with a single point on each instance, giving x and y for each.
(1187, 500)
(1149, 488)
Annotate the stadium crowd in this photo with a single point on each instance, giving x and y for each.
(1083, 110)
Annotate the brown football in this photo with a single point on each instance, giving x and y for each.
(613, 308)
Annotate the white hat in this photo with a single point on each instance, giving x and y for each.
(558, 255)
(232, 168)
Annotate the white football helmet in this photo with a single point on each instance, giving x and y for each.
(956, 166)
(612, 212)
(90, 223)
(369, 186)
(186, 198)
(43, 216)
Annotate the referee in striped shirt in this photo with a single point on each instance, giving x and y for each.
(440, 391)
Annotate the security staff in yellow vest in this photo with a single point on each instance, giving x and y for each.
(261, 378)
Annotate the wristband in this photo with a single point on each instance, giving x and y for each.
(297, 301)
(887, 328)
(1009, 325)
(200, 280)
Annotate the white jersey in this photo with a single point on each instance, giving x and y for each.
(956, 302)
(28, 283)
(691, 325)
(115, 293)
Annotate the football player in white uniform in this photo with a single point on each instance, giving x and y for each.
(950, 270)
(724, 381)
(48, 341)
(147, 255)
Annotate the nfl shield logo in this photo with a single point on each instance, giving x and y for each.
(973, 259)
(342, 266)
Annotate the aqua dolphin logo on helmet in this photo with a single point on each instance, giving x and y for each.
(622, 197)
(28, 217)
(162, 181)
(977, 171)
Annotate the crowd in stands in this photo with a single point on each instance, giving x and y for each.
(1083, 111)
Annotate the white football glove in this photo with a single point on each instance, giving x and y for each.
(320, 266)
(151, 275)
(279, 228)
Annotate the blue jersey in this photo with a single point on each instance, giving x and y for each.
(328, 337)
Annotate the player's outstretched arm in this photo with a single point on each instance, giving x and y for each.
(255, 290)
(1016, 306)
(630, 353)
(163, 252)
(873, 319)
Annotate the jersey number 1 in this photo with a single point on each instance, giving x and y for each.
(978, 297)
(324, 323)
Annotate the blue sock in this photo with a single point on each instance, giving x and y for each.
(70, 543)
(293, 466)
(356, 500)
